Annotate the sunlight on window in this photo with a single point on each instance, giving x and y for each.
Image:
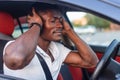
(75, 15)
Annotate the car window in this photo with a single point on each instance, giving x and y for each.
(17, 32)
(20, 30)
(93, 29)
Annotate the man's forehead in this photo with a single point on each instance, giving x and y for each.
(54, 13)
(51, 14)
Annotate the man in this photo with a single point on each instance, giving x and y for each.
(47, 26)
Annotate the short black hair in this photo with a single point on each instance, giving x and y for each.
(43, 7)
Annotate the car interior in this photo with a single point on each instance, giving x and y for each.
(6, 26)
(107, 55)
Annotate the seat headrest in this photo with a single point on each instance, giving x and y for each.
(6, 23)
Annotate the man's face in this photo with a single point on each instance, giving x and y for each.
(52, 29)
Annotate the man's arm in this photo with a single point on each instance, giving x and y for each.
(85, 56)
(20, 52)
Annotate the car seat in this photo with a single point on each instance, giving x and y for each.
(71, 73)
(6, 30)
(60, 77)
(6, 25)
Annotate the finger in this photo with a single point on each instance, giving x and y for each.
(63, 21)
(28, 17)
(33, 11)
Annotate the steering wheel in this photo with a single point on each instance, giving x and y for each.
(111, 52)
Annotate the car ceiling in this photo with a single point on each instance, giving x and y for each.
(108, 9)
(98, 7)
(21, 8)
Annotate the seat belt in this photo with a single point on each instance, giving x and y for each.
(2, 44)
(45, 67)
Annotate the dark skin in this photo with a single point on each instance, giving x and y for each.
(19, 53)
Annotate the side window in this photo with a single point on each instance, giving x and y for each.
(17, 32)
(93, 29)
(24, 27)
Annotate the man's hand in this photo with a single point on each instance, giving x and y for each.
(66, 26)
(35, 18)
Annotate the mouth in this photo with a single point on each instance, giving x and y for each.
(59, 31)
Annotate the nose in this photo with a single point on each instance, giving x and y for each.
(59, 24)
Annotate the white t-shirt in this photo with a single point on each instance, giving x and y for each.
(34, 71)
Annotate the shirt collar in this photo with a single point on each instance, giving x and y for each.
(52, 47)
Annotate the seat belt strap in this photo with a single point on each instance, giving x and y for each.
(45, 67)
(2, 44)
